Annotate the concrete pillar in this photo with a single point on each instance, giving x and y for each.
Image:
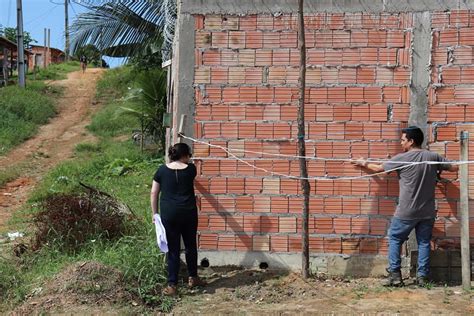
(183, 75)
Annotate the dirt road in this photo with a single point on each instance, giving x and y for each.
(54, 142)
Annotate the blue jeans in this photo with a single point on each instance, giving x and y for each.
(398, 234)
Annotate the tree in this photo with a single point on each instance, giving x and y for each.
(10, 34)
(93, 54)
(124, 28)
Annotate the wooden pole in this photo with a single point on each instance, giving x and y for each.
(301, 143)
(464, 193)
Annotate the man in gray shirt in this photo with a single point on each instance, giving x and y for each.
(416, 203)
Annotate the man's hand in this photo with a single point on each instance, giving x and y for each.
(361, 162)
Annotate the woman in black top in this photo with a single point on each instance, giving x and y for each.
(177, 206)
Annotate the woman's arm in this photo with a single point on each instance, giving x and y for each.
(155, 192)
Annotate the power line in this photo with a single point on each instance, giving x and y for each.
(41, 15)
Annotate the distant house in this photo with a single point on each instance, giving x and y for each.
(53, 56)
(8, 59)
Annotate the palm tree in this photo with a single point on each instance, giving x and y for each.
(123, 28)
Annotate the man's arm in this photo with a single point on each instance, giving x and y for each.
(453, 168)
(369, 166)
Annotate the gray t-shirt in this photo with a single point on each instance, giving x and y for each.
(417, 183)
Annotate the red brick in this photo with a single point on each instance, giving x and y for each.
(377, 38)
(263, 57)
(459, 18)
(370, 21)
(333, 58)
(354, 94)
(332, 205)
(359, 38)
(369, 56)
(395, 38)
(350, 205)
(236, 39)
(253, 39)
(283, 22)
(335, 21)
(368, 246)
(261, 243)
(211, 57)
(332, 245)
(348, 75)
(323, 39)
(287, 224)
(388, 56)
(207, 241)
(341, 39)
(248, 22)
(350, 245)
(353, 20)
(279, 204)
(360, 226)
(248, 94)
(386, 207)
(229, 58)
(440, 19)
(294, 243)
(448, 37)
(220, 39)
(288, 39)
(401, 76)
(365, 75)
(315, 57)
(230, 95)
(342, 225)
(279, 243)
(351, 57)
(219, 75)
(324, 225)
(281, 57)
(226, 242)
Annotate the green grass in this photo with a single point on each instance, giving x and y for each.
(54, 71)
(22, 111)
(118, 168)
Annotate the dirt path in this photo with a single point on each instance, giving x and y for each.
(54, 142)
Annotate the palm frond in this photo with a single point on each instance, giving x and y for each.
(119, 28)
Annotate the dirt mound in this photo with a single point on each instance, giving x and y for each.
(79, 287)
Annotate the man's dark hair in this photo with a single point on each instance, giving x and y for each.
(178, 151)
(414, 133)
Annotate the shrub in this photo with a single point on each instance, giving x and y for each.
(70, 220)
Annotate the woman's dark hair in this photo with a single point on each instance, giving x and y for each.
(415, 133)
(178, 151)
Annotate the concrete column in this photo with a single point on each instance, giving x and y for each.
(183, 75)
(420, 77)
(420, 82)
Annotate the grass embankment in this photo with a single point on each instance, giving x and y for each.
(118, 168)
(54, 71)
(23, 110)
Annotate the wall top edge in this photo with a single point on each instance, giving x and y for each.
(244, 7)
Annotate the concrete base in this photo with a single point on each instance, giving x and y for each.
(354, 266)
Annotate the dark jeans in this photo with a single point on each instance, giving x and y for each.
(398, 233)
(187, 228)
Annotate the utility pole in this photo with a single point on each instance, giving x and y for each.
(20, 57)
(45, 46)
(66, 29)
(48, 50)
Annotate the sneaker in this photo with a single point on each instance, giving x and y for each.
(170, 290)
(422, 281)
(195, 281)
(394, 279)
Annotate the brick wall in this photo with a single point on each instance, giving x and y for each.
(358, 98)
(451, 110)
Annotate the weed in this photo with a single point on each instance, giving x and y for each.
(54, 71)
(21, 111)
